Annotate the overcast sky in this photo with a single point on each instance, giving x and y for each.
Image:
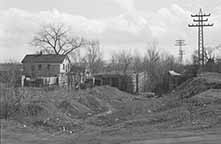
(118, 24)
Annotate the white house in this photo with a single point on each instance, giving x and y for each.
(47, 68)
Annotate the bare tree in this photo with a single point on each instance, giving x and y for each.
(152, 65)
(138, 65)
(194, 57)
(210, 52)
(122, 61)
(76, 56)
(93, 57)
(56, 39)
(152, 56)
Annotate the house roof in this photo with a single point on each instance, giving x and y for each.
(49, 58)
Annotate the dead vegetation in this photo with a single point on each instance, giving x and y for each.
(193, 105)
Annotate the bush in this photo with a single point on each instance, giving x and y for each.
(10, 101)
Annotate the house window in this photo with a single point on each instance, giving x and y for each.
(63, 66)
(48, 66)
(32, 68)
(68, 67)
(39, 67)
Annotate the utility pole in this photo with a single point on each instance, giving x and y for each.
(180, 44)
(200, 24)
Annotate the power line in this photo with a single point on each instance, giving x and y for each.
(180, 44)
(200, 24)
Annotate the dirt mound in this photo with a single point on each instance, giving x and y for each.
(111, 95)
(198, 111)
(195, 104)
(211, 77)
(93, 103)
(35, 110)
(199, 84)
(46, 115)
(211, 96)
(74, 109)
(63, 110)
(205, 108)
(168, 119)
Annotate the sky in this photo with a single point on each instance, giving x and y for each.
(118, 24)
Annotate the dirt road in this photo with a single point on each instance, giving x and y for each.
(204, 139)
(13, 133)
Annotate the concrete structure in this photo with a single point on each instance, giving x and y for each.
(47, 69)
(131, 82)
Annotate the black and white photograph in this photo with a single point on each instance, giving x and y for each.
(110, 71)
